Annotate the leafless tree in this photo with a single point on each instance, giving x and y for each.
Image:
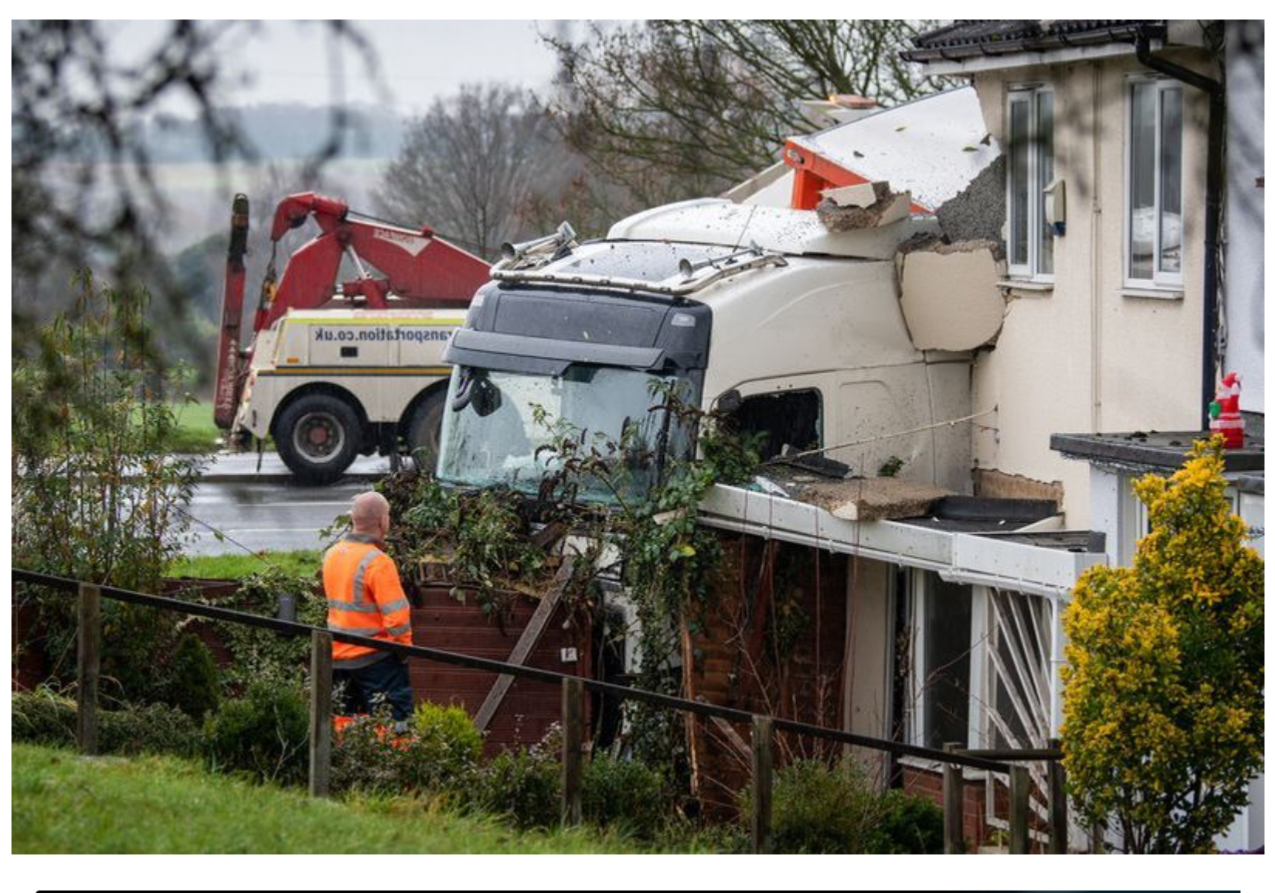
(85, 191)
(469, 166)
(677, 109)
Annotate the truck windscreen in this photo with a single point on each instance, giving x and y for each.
(511, 429)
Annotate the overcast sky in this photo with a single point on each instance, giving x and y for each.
(289, 62)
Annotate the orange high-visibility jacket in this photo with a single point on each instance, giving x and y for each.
(365, 598)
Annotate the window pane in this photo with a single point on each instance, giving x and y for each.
(1020, 641)
(1019, 187)
(946, 663)
(1045, 166)
(1171, 180)
(1142, 181)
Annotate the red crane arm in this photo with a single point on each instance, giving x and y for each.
(417, 266)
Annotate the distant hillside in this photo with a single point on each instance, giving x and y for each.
(282, 131)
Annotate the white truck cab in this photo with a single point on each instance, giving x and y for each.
(329, 385)
(801, 333)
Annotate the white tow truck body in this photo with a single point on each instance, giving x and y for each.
(384, 367)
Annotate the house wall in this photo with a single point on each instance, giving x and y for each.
(1244, 289)
(1086, 355)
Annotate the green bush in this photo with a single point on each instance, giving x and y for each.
(195, 687)
(42, 717)
(909, 824)
(818, 808)
(439, 753)
(626, 794)
(525, 786)
(264, 734)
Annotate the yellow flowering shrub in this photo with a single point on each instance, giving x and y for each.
(1163, 707)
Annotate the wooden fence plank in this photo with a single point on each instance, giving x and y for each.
(88, 666)
(763, 783)
(1057, 804)
(572, 750)
(320, 713)
(953, 807)
(1019, 813)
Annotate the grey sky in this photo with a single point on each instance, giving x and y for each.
(289, 62)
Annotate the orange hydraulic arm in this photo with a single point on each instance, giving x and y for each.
(416, 267)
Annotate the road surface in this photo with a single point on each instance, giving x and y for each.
(265, 514)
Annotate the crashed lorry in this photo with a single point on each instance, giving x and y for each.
(800, 336)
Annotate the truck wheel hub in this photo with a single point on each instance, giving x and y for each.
(318, 436)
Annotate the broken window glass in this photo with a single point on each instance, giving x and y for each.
(524, 425)
(791, 418)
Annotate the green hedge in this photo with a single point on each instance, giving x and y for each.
(42, 717)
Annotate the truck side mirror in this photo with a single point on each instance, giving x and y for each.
(729, 401)
(486, 397)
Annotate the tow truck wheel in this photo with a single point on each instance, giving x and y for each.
(424, 428)
(318, 437)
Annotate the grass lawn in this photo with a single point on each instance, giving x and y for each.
(304, 562)
(64, 803)
(196, 432)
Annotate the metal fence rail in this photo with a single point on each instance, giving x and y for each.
(89, 634)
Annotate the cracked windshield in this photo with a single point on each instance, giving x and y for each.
(498, 422)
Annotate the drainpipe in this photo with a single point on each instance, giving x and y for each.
(1212, 203)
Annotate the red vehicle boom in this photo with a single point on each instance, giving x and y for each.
(417, 267)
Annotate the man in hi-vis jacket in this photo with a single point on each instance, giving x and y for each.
(366, 598)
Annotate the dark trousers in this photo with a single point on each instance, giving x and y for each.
(368, 688)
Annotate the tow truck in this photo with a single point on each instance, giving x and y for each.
(337, 369)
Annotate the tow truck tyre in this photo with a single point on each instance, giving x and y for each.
(318, 437)
(424, 428)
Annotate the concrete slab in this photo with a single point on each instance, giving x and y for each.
(950, 298)
(865, 499)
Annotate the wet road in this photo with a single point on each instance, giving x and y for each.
(265, 515)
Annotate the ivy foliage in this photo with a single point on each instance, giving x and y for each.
(256, 653)
(1163, 702)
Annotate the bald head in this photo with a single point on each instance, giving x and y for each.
(370, 513)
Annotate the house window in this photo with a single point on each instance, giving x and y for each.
(1154, 222)
(1018, 712)
(1031, 169)
(942, 618)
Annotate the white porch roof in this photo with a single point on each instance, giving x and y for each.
(977, 559)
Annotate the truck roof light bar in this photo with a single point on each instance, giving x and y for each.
(690, 278)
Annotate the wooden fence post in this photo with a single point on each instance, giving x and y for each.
(953, 807)
(763, 746)
(320, 713)
(1057, 803)
(1019, 809)
(572, 749)
(88, 654)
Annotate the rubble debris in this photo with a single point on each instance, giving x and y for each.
(977, 213)
(862, 499)
(949, 296)
(886, 207)
(856, 195)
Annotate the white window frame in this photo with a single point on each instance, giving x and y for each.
(1030, 271)
(1160, 280)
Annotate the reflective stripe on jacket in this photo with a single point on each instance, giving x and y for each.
(365, 598)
